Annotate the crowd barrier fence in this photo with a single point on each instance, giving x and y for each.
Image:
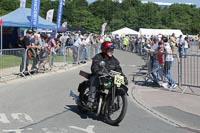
(10, 60)
(16, 62)
(185, 71)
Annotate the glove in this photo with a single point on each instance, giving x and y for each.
(126, 81)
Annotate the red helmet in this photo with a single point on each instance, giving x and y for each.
(106, 45)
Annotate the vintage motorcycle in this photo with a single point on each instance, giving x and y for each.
(111, 96)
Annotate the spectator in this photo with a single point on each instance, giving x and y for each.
(160, 59)
(168, 63)
(173, 42)
(35, 44)
(77, 35)
(53, 46)
(136, 45)
(25, 44)
(95, 43)
(43, 52)
(199, 41)
(75, 48)
(107, 38)
(63, 40)
(186, 46)
(83, 51)
(155, 64)
(70, 40)
(132, 43)
(180, 46)
(125, 43)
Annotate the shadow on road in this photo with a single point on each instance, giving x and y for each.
(87, 115)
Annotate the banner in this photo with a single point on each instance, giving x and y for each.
(23, 3)
(103, 28)
(49, 16)
(60, 9)
(35, 9)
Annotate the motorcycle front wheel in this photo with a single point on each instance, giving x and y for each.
(115, 110)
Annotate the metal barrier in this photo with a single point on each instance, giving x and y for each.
(175, 71)
(71, 55)
(61, 60)
(20, 62)
(13, 62)
(185, 71)
(190, 72)
(10, 62)
(194, 49)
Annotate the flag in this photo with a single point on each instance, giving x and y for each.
(103, 28)
(23, 3)
(35, 9)
(49, 16)
(59, 16)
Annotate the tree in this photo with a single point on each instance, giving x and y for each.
(129, 13)
(7, 6)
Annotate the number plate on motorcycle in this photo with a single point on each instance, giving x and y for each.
(118, 79)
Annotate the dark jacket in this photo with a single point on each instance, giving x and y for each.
(111, 63)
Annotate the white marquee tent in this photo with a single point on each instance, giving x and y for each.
(149, 32)
(125, 31)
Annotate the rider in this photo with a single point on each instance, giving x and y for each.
(111, 63)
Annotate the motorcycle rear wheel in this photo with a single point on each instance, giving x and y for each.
(112, 108)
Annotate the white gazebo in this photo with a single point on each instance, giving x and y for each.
(168, 32)
(125, 31)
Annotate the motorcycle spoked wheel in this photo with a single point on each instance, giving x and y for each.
(118, 108)
(83, 95)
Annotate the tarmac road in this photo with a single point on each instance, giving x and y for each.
(41, 104)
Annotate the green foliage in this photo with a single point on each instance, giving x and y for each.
(129, 13)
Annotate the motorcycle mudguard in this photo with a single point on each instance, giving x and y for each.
(123, 90)
(82, 86)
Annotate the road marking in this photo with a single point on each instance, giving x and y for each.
(3, 118)
(13, 131)
(89, 129)
(21, 117)
(55, 130)
(124, 65)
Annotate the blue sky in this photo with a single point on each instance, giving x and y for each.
(196, 2)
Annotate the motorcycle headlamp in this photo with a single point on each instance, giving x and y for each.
(107, 84)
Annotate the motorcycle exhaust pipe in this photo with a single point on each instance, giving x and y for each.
(75, 97)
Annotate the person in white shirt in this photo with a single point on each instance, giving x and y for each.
(168, 63)
(76, 47)
(83, 50)
(186, 46)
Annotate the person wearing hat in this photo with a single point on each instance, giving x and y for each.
(26, 43)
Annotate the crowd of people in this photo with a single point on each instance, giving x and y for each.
(39, 46)
(160, 49)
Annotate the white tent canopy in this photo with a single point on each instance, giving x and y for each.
(149, 32)
(125, 31)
